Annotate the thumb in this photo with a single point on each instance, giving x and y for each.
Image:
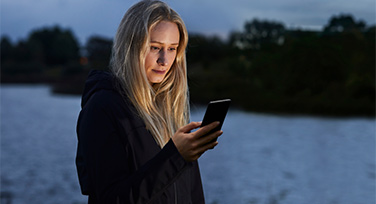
(191, 126)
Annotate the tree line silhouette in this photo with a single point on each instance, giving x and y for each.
(265, 67)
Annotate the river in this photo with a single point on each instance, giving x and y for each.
(260, 159)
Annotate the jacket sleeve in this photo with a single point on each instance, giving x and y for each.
(103, 162)
(197, 191)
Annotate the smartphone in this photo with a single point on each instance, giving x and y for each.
(216, 111)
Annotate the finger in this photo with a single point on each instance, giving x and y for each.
(206, 147)
(206, 129)
(190, 126)
(213, 136)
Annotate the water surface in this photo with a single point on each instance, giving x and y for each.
(261, 159)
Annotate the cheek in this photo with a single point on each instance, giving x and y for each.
(149, 59)
(172, 58)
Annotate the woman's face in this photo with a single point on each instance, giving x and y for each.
(164, 42)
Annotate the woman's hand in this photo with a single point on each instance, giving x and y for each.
(191, 145)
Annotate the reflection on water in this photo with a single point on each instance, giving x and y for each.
(261, 159)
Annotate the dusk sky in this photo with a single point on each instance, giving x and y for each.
(101, 17)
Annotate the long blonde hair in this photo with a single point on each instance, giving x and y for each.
(164, 107)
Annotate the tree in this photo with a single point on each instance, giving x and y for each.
(54, 46)
(205, 48)
(344, 23)
(6, 49)
(258, 33)
(99, 52)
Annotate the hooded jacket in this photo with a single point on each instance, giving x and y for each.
(118, 160)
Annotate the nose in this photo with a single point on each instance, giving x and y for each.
(162, 59)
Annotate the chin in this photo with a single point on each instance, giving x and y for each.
(156, 81)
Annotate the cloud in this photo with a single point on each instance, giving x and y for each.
(212, 16)
(101, 17)
(84, 17)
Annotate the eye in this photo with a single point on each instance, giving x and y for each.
(172, 48)
(154, 48)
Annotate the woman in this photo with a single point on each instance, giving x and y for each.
(134, 143)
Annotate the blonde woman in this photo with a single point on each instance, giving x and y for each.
(134, 141)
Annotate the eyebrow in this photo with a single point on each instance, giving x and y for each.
(163, 43)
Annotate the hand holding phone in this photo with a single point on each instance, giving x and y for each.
(191, 145)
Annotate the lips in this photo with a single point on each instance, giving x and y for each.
(159, 71)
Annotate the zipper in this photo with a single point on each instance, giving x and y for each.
(176, 194)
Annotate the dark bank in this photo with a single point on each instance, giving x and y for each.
(265, 67)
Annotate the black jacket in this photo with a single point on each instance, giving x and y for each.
(118, 160)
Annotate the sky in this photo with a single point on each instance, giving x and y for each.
(87, 18)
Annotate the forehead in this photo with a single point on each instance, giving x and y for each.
(165, 32)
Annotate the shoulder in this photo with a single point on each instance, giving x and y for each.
(114, 105)
(104, 100)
